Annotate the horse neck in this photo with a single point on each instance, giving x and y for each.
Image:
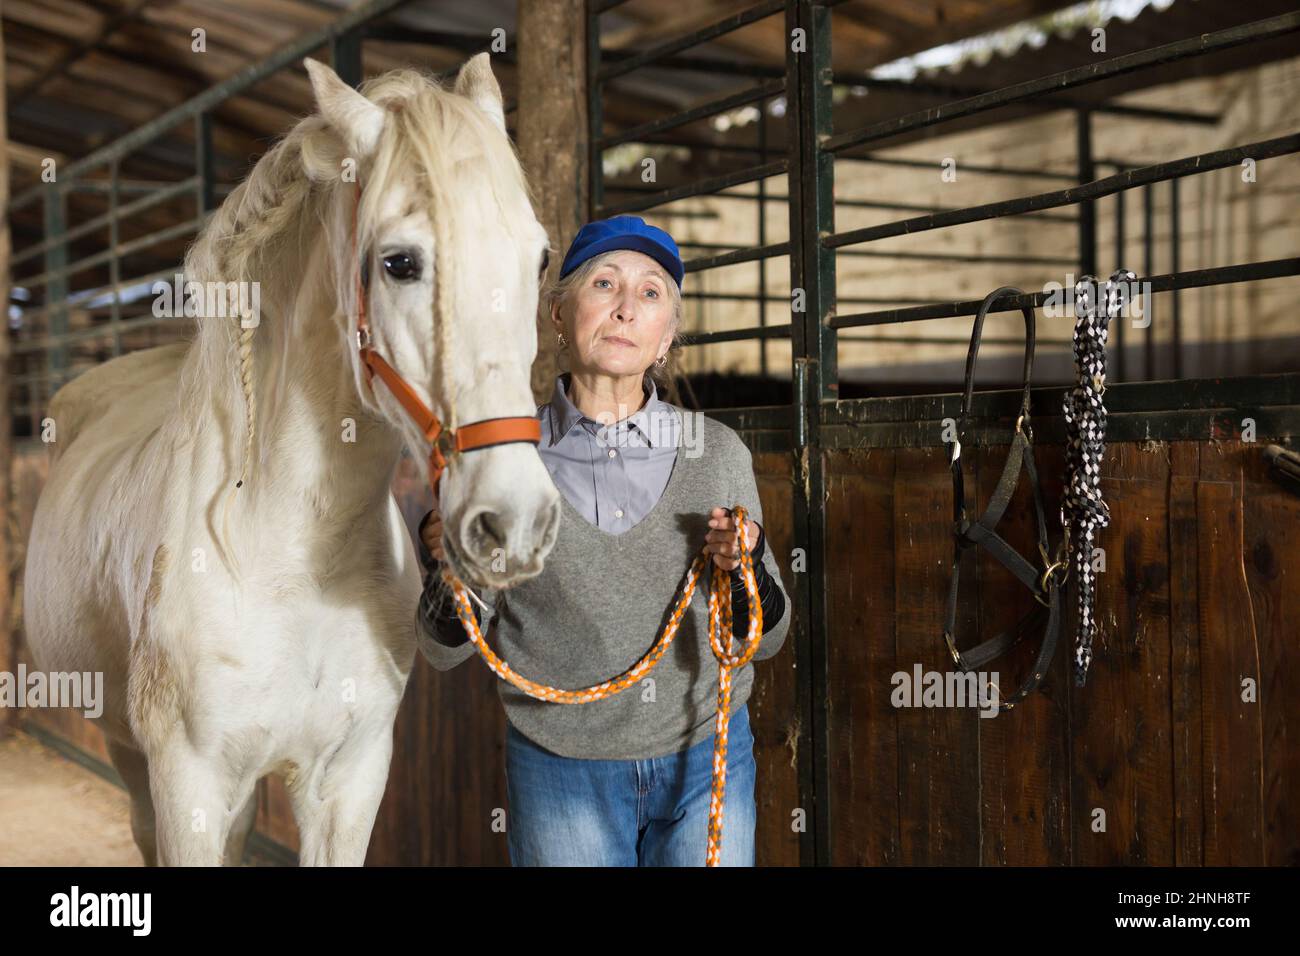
(324, 453)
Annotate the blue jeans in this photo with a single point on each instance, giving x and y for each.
(566, 811)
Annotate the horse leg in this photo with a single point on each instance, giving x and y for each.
(195, 804)
(133, 768)
(335, 806)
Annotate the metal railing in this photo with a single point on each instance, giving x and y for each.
(41, 353)
(816, 419)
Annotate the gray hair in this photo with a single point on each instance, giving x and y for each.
(557, 291)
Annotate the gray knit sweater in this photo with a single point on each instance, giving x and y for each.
(601, 602)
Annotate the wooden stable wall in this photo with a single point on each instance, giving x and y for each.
(1199, 595)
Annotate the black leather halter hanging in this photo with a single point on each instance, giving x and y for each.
(1045, 584)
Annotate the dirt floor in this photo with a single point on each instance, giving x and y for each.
(54, 812)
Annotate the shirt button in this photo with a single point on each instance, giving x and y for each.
(618, 513)
(612, 453)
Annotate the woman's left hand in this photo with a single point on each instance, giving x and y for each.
(724, 538)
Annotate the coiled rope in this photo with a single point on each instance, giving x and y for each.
(1083, 510)
(720, 623)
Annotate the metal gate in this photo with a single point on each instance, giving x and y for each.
(817, 421)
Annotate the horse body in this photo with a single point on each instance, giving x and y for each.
(295, 664)
(268, 628)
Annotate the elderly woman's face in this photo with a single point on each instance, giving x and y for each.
(619, 321)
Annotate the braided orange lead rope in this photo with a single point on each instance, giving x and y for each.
(720, 622)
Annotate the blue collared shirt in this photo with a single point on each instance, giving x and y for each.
(612, 474)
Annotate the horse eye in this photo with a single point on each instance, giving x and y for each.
(401, 266)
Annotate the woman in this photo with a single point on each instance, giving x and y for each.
(625, 780)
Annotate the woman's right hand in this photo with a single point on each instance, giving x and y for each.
(431, 534)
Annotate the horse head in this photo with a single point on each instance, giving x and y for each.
(438, 255)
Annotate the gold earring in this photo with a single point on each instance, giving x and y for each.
(560, 337)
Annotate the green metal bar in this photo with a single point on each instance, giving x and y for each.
(1032, 90)
(782, 331)
(81, 296)
(954, 91)
(762, 235)
(203, 174)
(56, 260)
(164, 192)
(738, 255)
(700, 187)
(1194, 279)
(1148, 266)
(115, 264)
(731, 101)
(1129, 179)
(345, 52)
(60, 274)
(595, 112)
(1088, 208)
(812, 215)
(1175, 241)
(714, 30)
(1179, 410)
(213, 96)
(1118, 331)
(145, 321)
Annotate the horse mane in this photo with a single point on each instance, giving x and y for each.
(432, 134)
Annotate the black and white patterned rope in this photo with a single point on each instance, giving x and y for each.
(1083, 510)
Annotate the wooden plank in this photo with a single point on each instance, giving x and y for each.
(1121, 721)
(1271, 513)
(1232, 728)
(1024, 759)
(446, 794)
(275, 813)
(773, 707)
(553, 136)
(864, 756)
(938, 810)
(1232, 816)
(445, 800)
(1185, 670)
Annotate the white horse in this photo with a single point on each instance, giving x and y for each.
(217, 534)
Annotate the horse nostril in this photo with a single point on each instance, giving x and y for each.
(487, 528)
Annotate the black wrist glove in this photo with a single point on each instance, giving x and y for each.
(770, 597)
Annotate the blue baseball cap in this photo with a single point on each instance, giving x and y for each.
(624, 232)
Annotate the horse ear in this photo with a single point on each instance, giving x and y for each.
(477, 82)
(354, 117)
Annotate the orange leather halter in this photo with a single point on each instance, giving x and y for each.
(444, 442)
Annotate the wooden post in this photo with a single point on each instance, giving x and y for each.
(8, 652)
(551, 130)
